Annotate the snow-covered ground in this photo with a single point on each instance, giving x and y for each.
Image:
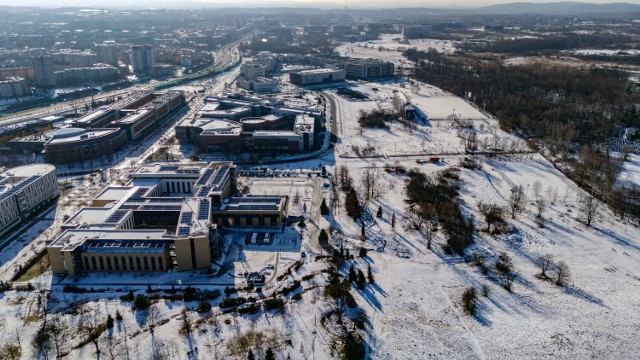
(414, 307)
(439, 135)
(630, 173)
(390, 47)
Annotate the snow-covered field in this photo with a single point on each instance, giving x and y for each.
(438, 136)
(390, 47)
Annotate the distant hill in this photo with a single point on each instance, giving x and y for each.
(559, 8)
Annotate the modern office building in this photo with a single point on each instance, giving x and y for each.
(166, 218)
(23, 191)
(43, 69)
(251, 124)
(142, 59)
(368, 69)
(104, 131)
(317, 76)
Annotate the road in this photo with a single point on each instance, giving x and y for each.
(227, 57)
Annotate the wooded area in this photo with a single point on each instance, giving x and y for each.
(571, 111)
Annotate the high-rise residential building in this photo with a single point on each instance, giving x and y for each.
(43, 68)
(107, 54)
(142, 59)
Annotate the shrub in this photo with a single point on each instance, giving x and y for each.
(128, 297)
(231, 302)
(249, 309)
(74, 289)
(308, 277)
(469, 301)
(274, 304)
(204, 306)
(141, 302)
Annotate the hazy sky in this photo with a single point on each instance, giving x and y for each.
(321, 3)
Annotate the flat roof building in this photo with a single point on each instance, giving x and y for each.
(166, 218)
(23, 191)
(317, 76)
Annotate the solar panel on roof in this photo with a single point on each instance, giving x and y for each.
(183, 231)
(116, 216)
(186, 217)
(203, 210)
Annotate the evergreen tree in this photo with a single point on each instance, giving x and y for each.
(361, 282)
(324, 209)
(352, 274)
(393, 221)
(370, 276)
(227, 291)
(323, 238)
(362, 230)
(250, 355)
(269, 354)
(341, 250)
(110, 321)
(352, 205)
(347, 255)
(379, 214)
(118, 316)
(363, 252)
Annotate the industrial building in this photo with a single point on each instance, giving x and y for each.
(166, 218)
(23, 191)
(250, 124)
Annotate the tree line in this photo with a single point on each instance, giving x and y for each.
(571, 111)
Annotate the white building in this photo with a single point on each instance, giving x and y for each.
(142, 58)
(317, 76)
(24, 190)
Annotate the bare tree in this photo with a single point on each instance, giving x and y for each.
(370, 181)
(430, 229)
(545, 263)
(91, 328)
(562, 274)
(344, 178)
(505, 271)
(537, 188)
(492, 213)
(153, 317)
(59, 330)
(589, 207)
(541, 205)
(516, 200)
(414, 218)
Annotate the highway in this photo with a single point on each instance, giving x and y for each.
(225, 58)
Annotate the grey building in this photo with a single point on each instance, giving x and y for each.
(43, 68)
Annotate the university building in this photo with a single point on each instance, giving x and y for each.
(167, 217)
(23, 191)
